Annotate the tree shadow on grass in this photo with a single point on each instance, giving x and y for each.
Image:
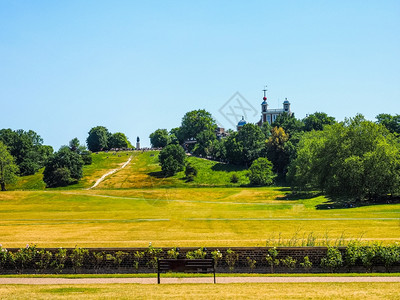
(227, 168)
(158, 174)
(340, 202)
(303, 195)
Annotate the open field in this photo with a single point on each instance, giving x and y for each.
(136, 205)
(181, 217)
(205, 291)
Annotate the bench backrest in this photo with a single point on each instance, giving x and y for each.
(182, 265)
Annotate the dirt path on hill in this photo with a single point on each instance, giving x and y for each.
(110, 173)
(56, 281)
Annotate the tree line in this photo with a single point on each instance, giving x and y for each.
(355, 158)
(22, 153)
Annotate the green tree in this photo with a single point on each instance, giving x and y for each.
(261, 172)
(63, 168)
(233, 149)
(356, 158)
(204, 143)
(289, 123)
(316, 121)
(252, 140)
(195, 122)
(172, 159)
(160, 138)
(27, 149)
(390, 122)
(8, 169)
(98, 138)
(278, 151)
(119, 140)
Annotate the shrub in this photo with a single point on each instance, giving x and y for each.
(172, 159)
(231, 258)
(289, 262)
(173, 253)
(77, 257)
(271, 258)
(261, 172)
(251, 263)
(24, 258)
(153, 255)
(389, 255)
(369, 256)
(306, 264)
(59, 260)
(44, 260)
(190, 171)
(353, 254)
(98, 260)
(234, 178)
(119, 258)
(333, 259)
(217, 256)
(137, 256)
(196, 254)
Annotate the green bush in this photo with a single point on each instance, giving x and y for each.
(231, 258)
(333, 259)
(60, 258)
(137, 257)
(119, 258)
(306, 264)
(217, 256)
(173, 253)
(98, 260)
(153, 254)
(289, 262)
(196, 254)
(251, 263)
(78, 257)
(271, 258)
(44, 259)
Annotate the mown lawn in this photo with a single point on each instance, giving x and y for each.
(205, 291)
(182, 217)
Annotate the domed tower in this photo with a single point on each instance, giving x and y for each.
(286, 106)
(137, 143)
(241, 123)
(264, 107)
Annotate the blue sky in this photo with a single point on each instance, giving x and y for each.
(135, 66)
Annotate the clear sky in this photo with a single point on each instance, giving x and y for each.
(135, 66)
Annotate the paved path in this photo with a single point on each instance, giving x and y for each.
(42, 281)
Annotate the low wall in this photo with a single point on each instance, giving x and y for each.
(127, 265)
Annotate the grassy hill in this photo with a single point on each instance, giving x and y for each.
(143, 172)
(137, 205)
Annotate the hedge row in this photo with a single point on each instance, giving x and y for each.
(355, 255)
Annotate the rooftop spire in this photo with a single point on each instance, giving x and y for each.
(265, 93)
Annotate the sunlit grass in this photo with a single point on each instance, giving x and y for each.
(205, 291)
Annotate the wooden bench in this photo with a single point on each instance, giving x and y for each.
(185, 266)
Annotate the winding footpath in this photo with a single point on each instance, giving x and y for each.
(56, 281)
(110, 173)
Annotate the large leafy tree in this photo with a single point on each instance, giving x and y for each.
(195, 122)
(160, 138)
(289, 123)
(233, 149)
(390, 122)
(119, 140)
(260, 172)
(316, 121)
(278, 151)
(356, 158)
(205, 141)
(27, 149)
(75, 146)
(98, 138)
(8, 169)
(172, 159)
(252, 140)
(63, 168)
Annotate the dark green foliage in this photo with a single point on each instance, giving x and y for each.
(75, 146)
(234, 178)
(260, 172)
(63, 168)
(357, 159)
(195, 122)
(118, 140)
(332, 260)
(44, 259)
(306, 264)
(160, 138)
(98, 138)
(252, 142)
(27, 149)
(251, 263)
(190, 171)
(60, 257)
(153, 254)
(289, 262)
(137, 257)
(204, 144)
(8, 169)
(289, 123)
(172, 159)
(392, 123)
(173, 253)
(78, 256)
(316, 121)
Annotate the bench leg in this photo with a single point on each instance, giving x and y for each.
(158, 277)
